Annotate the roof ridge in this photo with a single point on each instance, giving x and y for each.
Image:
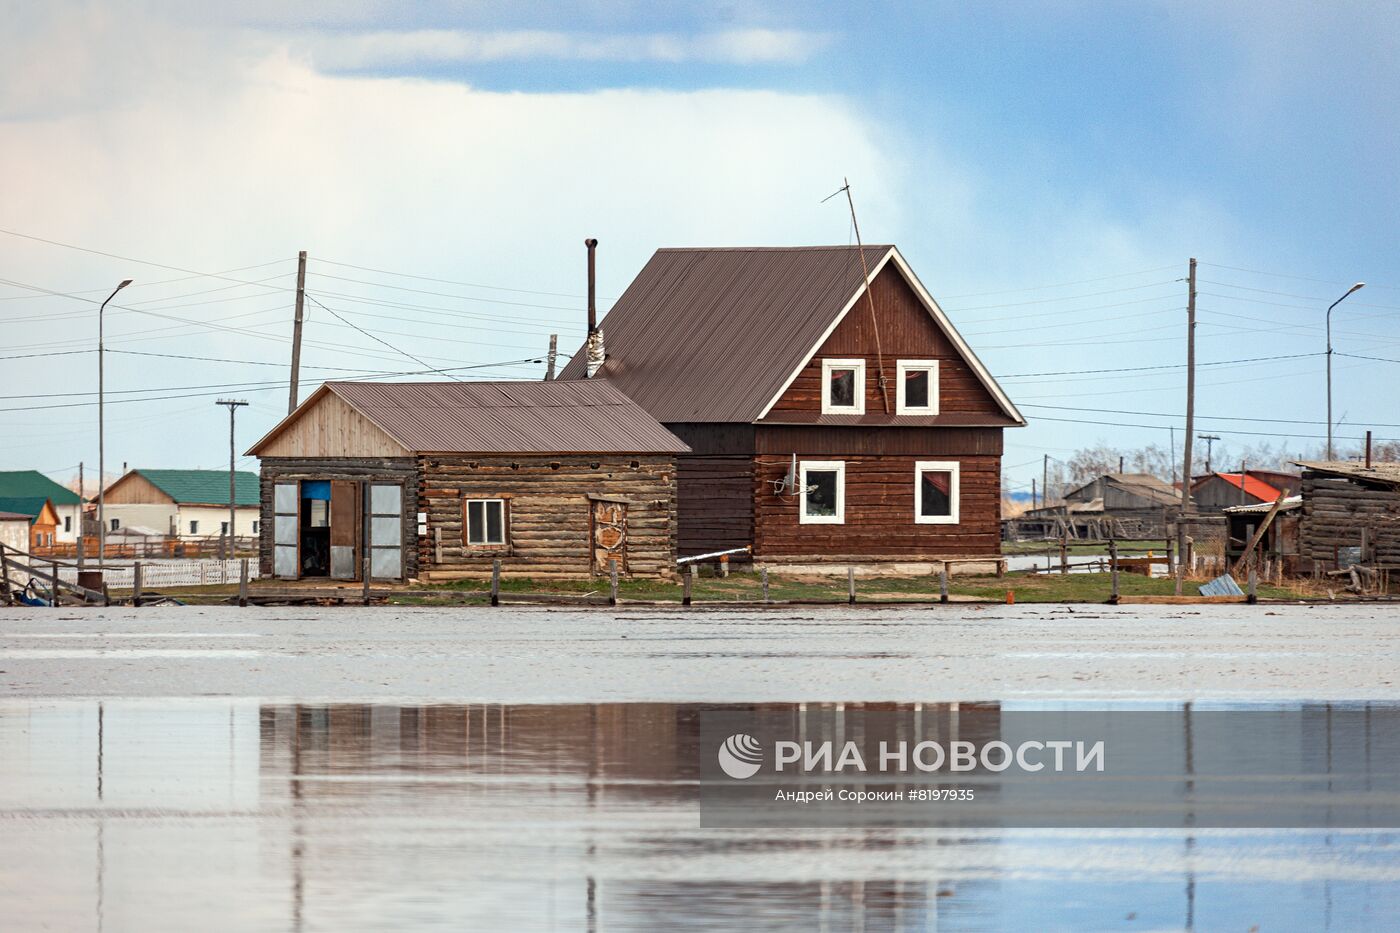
(770, 249)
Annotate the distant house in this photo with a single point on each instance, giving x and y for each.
(1216, 491)
(183, 503)
(67, 504)
(1124, 505)
(823, 431)
(1351, 514)
(437, 481)
(41, 516)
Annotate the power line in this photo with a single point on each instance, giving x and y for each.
(425, 278)
(1036, 288)
(1041, 301)
(1137, 369)
(1163, 414)
(1158, 427)
(380, 339)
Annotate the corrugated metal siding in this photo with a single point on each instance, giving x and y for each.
(509, 417)
(713, 334)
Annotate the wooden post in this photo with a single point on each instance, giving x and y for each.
(943, 583)
(243, 582)
(365, 592)
(1253, 595)
(496, 582)
(135, 586)
(1064, 553)
(763, 575)
(687, 575)
(851, 585)
(724, 565)
(612, 581)
(1113, 570)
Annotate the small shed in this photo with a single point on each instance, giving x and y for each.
(1216, 491)
(1351, 514)
(1280, 541)
(437, 481)
(14, 530)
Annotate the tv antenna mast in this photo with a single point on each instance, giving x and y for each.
(874, 322)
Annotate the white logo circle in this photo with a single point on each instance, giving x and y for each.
(741, 756)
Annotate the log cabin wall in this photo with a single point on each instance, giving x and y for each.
(906, 331)
(1337, 510)
(399, 470)
(714, 500)
(549, 513)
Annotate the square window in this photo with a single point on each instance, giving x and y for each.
(917, 387)
(823, 485)
(843, 387)
(486, 521)
(936, 492)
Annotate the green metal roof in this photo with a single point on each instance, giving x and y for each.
(29, 506)
(25, 484)
(204, 486)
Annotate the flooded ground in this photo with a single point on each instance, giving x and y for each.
(531, 769)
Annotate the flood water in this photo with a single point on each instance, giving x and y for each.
(234, 814)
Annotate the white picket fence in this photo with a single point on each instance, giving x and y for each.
(165, 574)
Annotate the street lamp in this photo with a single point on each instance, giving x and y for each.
(101, 438)
(1356, 287)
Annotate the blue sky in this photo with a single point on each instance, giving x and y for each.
(1047, 167)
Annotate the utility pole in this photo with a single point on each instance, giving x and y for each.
(102, 435)
(1045, 479)
(1210, 440)
(233, 405)
(82, 491)
(296, 337)
(1120, 463)
(552, 358)
(1190, 386)
(1034, 505)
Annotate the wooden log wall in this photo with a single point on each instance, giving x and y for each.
(879, 513)
(714, 504)
(401, 470)
(550, 513)
(1335, 512)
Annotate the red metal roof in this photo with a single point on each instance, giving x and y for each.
(713, 335)
(1252, 485)
(590, 416)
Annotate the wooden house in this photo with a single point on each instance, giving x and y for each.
(1351, 514)
(67, 504)
(1122, 505)
(42, 517)
(827, 424)
(183, 503)
(436, 481)
(14, 530)
(1216, 491)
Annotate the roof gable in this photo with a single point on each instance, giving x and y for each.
(1252, 485)
(29, 483)
(718, 335)
(200, 487)
(31, 507)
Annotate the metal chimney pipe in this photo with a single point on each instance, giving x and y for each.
(592, 285)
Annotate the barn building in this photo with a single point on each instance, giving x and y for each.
(436, 481)
(826, 425)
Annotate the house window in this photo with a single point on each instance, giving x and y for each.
(223, 528)
(843, 387)
(823, 492)
(116, 523)
(917, 389)
(486, 522)
(255, 526)
(67, 524)
(936, 492)
(194, 528)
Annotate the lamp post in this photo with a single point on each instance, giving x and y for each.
(1356, 287)
(101, 437)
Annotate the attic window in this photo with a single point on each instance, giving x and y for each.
(843, 387)
(917, 389)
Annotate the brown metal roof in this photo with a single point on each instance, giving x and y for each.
(1377, 472)
(502, 417)
(716, 334)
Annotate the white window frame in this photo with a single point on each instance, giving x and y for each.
(194, 526)
(839, 467)
(907, 366)
(954, 491)
(859, 407)
(505, 532)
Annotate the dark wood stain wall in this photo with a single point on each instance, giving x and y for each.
(879, 513)
(906, 332)
(715, 488)
(549, 524)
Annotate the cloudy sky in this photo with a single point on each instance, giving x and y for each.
(1047, 167)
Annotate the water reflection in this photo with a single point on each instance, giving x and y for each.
(185, 815)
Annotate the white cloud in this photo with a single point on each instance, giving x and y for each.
(398, 49)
